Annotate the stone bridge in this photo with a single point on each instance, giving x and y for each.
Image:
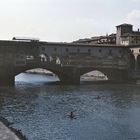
(67, 60)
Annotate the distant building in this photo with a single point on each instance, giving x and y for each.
(124, 36)
(108, 39)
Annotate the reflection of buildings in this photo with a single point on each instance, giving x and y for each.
(124, 36)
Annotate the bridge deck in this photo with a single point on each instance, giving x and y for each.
(26, 43)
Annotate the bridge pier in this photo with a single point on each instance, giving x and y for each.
(7, 80)
(70, 76)
(118, 75)
(7, 76)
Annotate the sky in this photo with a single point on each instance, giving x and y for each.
(65, 20)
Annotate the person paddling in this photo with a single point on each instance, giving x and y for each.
(72, 116)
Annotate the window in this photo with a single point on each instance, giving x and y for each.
(89, 51)
(100, 50)
(120, 51)
(43, 49)
(55, 49)
(67, 50)
(78, 50)
(110, 52)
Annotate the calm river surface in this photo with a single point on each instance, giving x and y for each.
(40, 108)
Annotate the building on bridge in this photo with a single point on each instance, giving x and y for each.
(124, 36)
(71, 60)
(108, 39)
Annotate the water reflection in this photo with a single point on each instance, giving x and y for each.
(40, 109)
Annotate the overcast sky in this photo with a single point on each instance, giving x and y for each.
(65, 20)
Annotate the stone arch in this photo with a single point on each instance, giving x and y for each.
(23, 70)
(109, 74)
(138, 62)
(94, 75)
(47, 76)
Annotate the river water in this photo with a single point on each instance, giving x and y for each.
(40, 108)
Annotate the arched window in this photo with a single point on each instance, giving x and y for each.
(44, 58)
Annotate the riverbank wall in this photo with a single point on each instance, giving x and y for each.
(9, 133)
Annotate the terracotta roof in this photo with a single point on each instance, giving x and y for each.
(125, 24)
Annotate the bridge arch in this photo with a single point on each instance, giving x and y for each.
(94, 75)
(40, 71)
(108, 73)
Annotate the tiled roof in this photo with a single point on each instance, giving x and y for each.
(125, 24)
